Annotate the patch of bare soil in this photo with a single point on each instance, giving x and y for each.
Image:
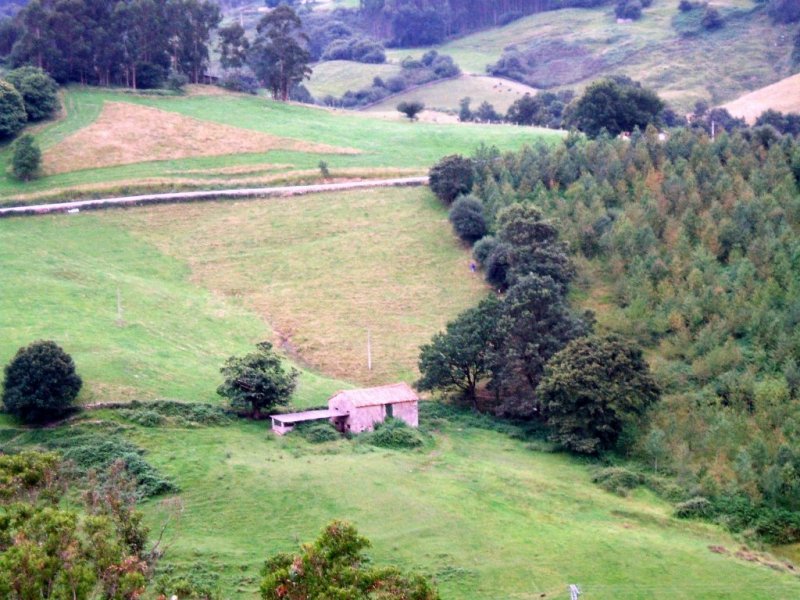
(127, 134)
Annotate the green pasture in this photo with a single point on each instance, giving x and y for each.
(384, 145)
(200, 282)
(446, 95)
(487, 516)
(335, 77)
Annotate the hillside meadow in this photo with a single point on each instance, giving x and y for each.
(573, 47)
(150, 301)
(210, 139)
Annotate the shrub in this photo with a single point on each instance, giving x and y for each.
(483, 248)
(150, 76)
(40, 382)
(145, 418)
(318, 433)
(466, 215)
(195, 583)
(239, 82)
(497, 265)
(695, 508)
(26, 159)
(451, 177)
(712, 19)
(12, 110)
(617, 480)
(394, 434)
(98, 451)
(411, 109)
(685, 5)
(39, 91)
(176, 81)
(629, 9)
(395, 84)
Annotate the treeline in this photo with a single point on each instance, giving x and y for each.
(409, 23)
(135, 43)
(688, 246)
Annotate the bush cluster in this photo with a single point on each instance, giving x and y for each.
(176, 414)
(394, 434)
(318, 433)
(93, 450)
(618, 480)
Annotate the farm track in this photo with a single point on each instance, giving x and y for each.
(200, 196)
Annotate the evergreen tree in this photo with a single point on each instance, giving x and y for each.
(278, 56)
(27, 158)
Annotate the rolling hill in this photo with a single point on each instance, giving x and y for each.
(572, 47)
(112, 142)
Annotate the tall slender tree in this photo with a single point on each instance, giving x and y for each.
(279, 57)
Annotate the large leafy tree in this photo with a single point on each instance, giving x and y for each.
(257, 381)
(534, 245)
(592, 389)
(458, 359)
(535, 324)
(40, 382)
(278, 56)
(12, 110)
(335, 566)
(615, 105)
(451, 177)
(39, 91)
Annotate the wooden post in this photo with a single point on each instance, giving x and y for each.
(369, 350)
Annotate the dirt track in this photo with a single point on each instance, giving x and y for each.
(177, 197)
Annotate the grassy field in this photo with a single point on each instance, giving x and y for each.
(446, 95)
(356, 145)
(487, 516)
(313, 272)
(783, 96)
(576, 46)
(335, 77)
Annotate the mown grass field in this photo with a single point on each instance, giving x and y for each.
(335, 77)
(360, 146)
(783, 96)
(487, 516)
(446, 95)
(200, 282)
(748, 53)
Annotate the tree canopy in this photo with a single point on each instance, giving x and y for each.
(278, 55)
(257, 381)
(615, 105)
(40, 382)
(335, 566)
(459, 358)
(592, 389)
(105, 43)
(12, 110)
(39, 92)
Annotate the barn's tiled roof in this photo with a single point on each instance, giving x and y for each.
(386, 394)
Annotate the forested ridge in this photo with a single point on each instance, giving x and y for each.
(130, 42)
(690, 248)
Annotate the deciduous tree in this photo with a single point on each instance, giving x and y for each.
(257, 381)
(335, 566)
(592, 389)
(458, 359)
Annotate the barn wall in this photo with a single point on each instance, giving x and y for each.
(364, 418)
(408, 412)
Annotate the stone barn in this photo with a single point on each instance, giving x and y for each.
(358, 410)
(368, 406)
